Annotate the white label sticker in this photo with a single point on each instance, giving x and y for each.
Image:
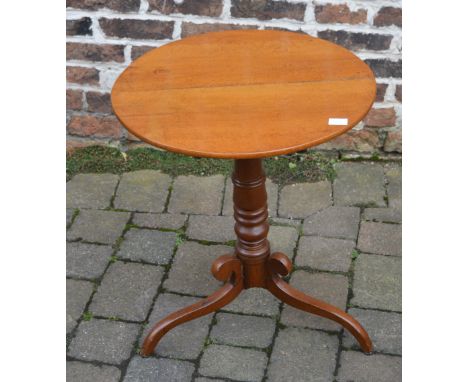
(337, 121)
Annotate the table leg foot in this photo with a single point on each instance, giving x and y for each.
(226, 268)
(280, 265)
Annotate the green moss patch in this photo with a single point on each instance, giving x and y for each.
(306, 167)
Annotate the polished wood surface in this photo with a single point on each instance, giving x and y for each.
(252, 265)
(243, 94)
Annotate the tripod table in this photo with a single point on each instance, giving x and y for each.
(246, 95)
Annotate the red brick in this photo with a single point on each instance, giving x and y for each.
(95, 52)
(80, 75)
(267, 9)
(74, 99)
(137, 29)
(398, 93)
(73, 144)
(387, 16)
(138, 51)
(96, 126)
(363, 140)
(117, 5)
(199, 7)
(339, 13)
(357, 41)
(189, 29)
(393, 141)
(383, 117)
(79, 27)
(381, 89)
(99, 102)
(132, 138)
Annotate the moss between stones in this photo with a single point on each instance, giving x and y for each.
(303, 167)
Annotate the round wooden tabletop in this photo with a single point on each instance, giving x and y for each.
(243, 94)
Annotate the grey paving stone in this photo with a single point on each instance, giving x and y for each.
(330, 288)
(91, 190)
(283, 239)
(384, 329)
(303, 199)
(197, 195)
(385, 215)
(143, 190)
(207, 380)
(356, 366)
(359, 184)
(272, 194)
(393, 174)
(103, 340)
(286, 221)
(78, 294)
(301, 355)
(165, 221)
(70, 213)
(254, 301)
(127, 291)
(191, 268)
(148, 245)
(325, 254)
(234, 363)
(339, 222)
(160, 370)
(380, 238)
(184, 341)
(211, 228)
(377, 282)
(240, 330)
(85, 372)
(87, 261)
(98, 226)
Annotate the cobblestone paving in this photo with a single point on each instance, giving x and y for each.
(140, 246)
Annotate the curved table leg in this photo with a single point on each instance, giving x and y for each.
(279, 264)
(225, 268)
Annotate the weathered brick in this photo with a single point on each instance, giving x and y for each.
(254, 301)
(103, 340)
(166, 221)
(138, 51)
(74, 99)
(85, 372)
(393, 142)
(283, 239)
(303, 355)
(382, 117)
(78, 294)
(380, 238)
(116, 5)
(160, 370)
(339, 13)
(232, 362)
(363, 140)
(91, 190)
(211, 228)
(303, 199)
(127, 291)
(267, 9)
(95, 52)
(138, 29)
(189, 29)
(387, 16)
(384, 68)
(381, 90)
(357, 41)
(87, 260)
(99, 102)
(203, 8)
(79, 27)
(331, 288)
(337, 222)
(80, 75)
(356, 366)
(91, 125)
(398, 93)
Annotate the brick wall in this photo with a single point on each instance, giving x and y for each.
(104, 36)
